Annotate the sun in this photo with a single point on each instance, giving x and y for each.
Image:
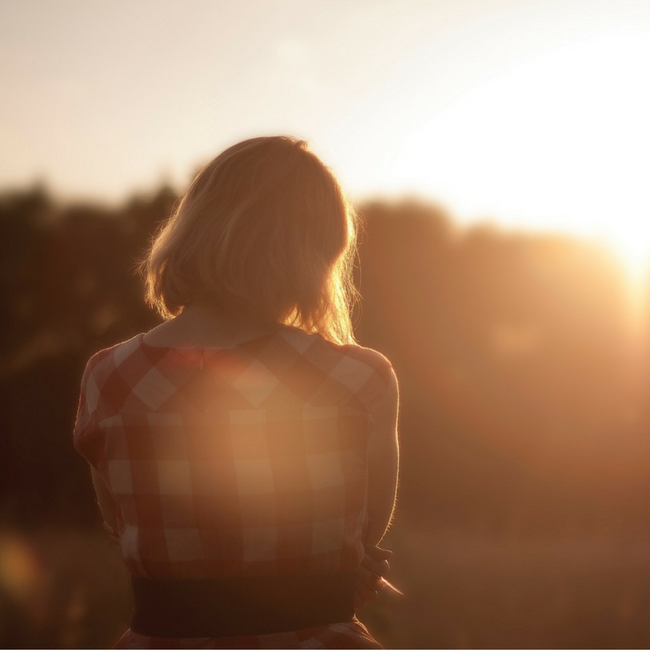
(560, 141)
(633, 251)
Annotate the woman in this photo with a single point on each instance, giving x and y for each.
(244, 452)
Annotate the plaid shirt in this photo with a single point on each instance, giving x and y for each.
(248, 460)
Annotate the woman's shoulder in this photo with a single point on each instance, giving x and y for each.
(354, 365)
(104, 361)
(93, 405)
(369, 357)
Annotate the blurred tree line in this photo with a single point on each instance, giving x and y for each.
(523, 405)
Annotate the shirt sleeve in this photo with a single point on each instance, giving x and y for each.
(385, 376)
(86, 435)
(377, 377)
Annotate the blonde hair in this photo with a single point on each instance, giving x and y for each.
(264, 230)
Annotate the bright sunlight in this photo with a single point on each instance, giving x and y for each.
(557, 141)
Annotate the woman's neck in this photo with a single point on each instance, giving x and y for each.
(202, 324)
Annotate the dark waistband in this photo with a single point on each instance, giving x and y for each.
(240, 606)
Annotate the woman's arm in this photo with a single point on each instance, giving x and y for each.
(106, 504)
(383, 462)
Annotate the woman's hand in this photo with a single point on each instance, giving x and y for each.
(106, 506)
(372, 569)
(112, 534)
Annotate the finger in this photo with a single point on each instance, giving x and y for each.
(367, 595)
(380, 568)
(368, 578)
(378, 553)
(374, 564)
(371, 548)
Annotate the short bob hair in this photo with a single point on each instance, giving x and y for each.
(263, 231)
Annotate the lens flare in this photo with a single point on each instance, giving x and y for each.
(20, 570)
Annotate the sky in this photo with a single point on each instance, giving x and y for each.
(531, 113)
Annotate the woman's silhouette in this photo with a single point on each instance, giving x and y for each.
(244, 452)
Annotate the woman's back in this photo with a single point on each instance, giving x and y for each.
(248, 460)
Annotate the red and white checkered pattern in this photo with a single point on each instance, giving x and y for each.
(249, 460)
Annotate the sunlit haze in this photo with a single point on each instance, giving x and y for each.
(531, 114)
(499, 154)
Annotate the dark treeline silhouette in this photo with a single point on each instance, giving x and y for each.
(524, 410)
